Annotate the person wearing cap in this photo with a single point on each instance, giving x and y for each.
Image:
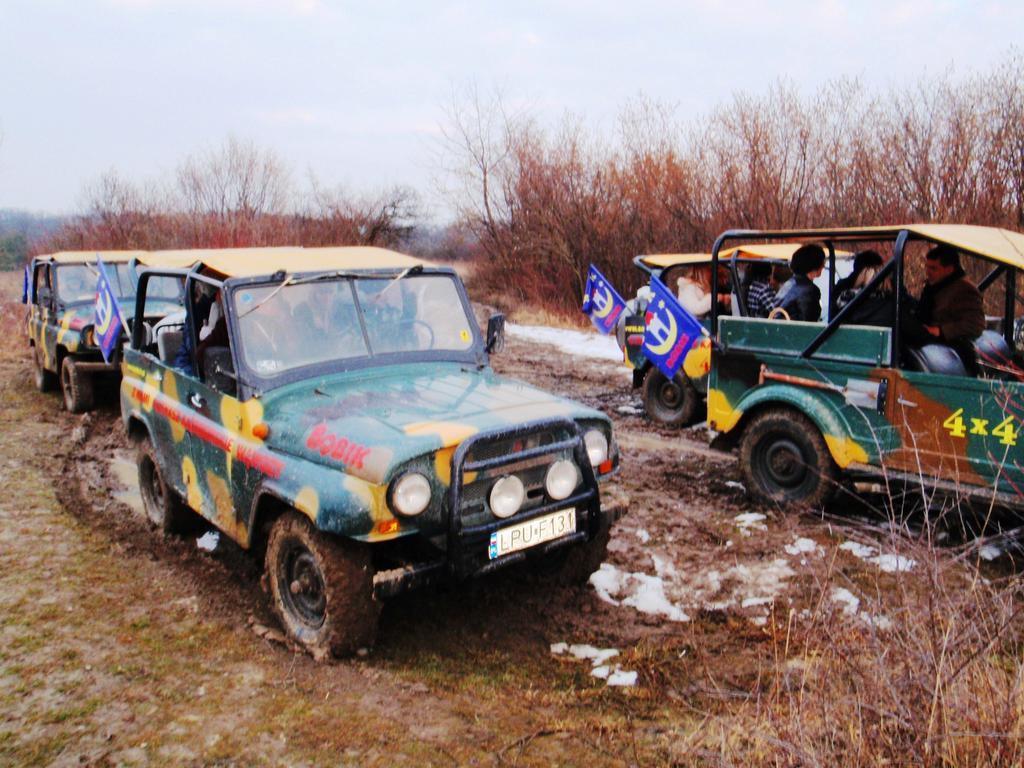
(799, 297)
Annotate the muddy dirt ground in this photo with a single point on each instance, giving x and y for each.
(118, 646)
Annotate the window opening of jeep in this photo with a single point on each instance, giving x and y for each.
(305, 322)
(76, 284)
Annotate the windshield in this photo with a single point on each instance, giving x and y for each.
(307, 323)
(77, 283)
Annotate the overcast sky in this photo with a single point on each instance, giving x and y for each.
(357, 91)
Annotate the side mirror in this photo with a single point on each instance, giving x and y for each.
(495, 333)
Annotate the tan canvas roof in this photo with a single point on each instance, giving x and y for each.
(773, 251)
(994, 243)
(186, 257)
(293, 260)
(89, 257)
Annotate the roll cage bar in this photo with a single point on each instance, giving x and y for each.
(894, 268)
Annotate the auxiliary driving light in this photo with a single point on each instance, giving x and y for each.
(597, 446)
(561, 479)
(507, 496)
(410, 494)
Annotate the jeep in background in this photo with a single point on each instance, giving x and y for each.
(813, 404)
(679, 401)
(334, 412)
(62, 312)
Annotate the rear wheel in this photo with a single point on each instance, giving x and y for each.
(322, 588)
(670, 401)
(163, 506)
(784, 459)
(44, 380)
(77, 386)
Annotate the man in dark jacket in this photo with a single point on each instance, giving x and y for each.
(951, 308)
(799, 296)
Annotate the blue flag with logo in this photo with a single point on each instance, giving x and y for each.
(601, 302)
(25, 282)
(669, 330)
(108, 314)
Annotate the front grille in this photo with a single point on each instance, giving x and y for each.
(526, 451)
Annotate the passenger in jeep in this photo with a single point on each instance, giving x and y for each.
(951, 307)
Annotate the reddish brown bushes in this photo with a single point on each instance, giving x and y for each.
(545, 204)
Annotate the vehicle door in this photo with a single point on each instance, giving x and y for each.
(222, 444)
(41, 326)
(958, 428)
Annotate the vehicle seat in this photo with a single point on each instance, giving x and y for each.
(935, 358)
(995, 358)
(168, 343)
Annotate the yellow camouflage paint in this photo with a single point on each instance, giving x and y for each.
(374, 498)
(307, 501)
(65, 326)
(697, 362)
(451, 434)
(721, 415)
(193, 495)
(170, 388)
(224, 512)
(845, 451)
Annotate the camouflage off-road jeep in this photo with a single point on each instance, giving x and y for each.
(679, 401)
(340, 418)
(811, 403)
(62, 311)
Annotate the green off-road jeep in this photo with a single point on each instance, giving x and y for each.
(809, 404)
(680, 400)
(334, 411)
(62, 310)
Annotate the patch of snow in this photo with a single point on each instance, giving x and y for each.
(883, 623)
(759, 621)
(613, 674)
(849, 601)
(630, 410)
(863, 551)
(643, 535)
(577, 343)
(750, 602)
(749, 521)
(642, 591)
(893, 563)
(890, 563)
(801, 546)
(622, 677)
(208, 541)
(736, 486)
(989, 552)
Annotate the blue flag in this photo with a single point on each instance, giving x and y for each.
(601, 302)
(108, 314)
(26, 280)
(670, 330)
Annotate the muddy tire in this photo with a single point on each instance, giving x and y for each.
(45, 381)
(164, 508)
(321, 587)
(77, 386)
(673, 402)
(784, 459)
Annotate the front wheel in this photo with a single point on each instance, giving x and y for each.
(77, 386)
(672, 401)
(322, 588)
(784, 459)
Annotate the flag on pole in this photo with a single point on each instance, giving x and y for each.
(670, 330)
(108, 314)
(601, 302)
(26, 280)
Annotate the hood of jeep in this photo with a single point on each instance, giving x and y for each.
(371, 422)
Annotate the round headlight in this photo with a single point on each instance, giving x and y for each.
(561, 479)
(597, 446)
(410, 494)
(507, 496)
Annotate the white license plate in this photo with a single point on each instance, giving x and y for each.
(531, 533)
